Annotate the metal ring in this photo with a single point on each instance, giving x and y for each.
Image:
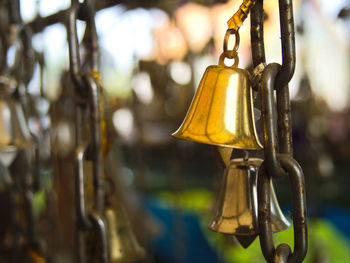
(232, 56)
(299, 209)
(227, 36)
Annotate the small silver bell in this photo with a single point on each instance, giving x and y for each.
(238, 205)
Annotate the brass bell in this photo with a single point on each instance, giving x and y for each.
(123, 245)
(14, 132)
(13, 127)
(237, 210)
(221, 112)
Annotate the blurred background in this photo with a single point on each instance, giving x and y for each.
(152, 56)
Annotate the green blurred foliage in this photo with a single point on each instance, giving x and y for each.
(326, 243)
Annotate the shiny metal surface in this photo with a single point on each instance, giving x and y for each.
(221, 112)
(238, 204)
(13, 127)
(124, 247)
(224, 155)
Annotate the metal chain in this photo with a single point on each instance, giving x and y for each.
(292, 168)
(299, 210)
(268, 117)
(87, 95)
(22, 183)
(287, 68)
(227, 53)
(278, 136)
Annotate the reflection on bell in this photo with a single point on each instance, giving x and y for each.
(13, 127)
(221, 112)
(123, 245)
(237, 210)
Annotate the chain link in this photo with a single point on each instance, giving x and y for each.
(269, 117)
(230, 53)
(282, 253)
(288, 64)
(87, 95)
(278, 134)
(277, 165)
(296, 176)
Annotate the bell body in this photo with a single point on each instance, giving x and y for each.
(221, 112)
(123, 245)
(13, 127)
(238, 203)
(236, 212)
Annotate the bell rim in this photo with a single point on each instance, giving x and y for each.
(253, 161)
(218, 230)
(257, 148)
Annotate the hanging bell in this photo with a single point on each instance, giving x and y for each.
(279, 222)
(221, 112)
(13, 127)
(237, 210)
(14, 133)
(123, 245)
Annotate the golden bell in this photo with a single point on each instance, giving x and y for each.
(123, 245)
(221, 112)
(238, 204)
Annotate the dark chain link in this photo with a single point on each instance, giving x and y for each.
(284, 164)
(269, 117)
(278, 135)
(296, 176)
(87, 94)
(287, 68)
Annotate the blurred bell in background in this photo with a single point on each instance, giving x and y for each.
(164, 192)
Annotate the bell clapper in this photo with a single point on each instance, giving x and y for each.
(246, 155)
